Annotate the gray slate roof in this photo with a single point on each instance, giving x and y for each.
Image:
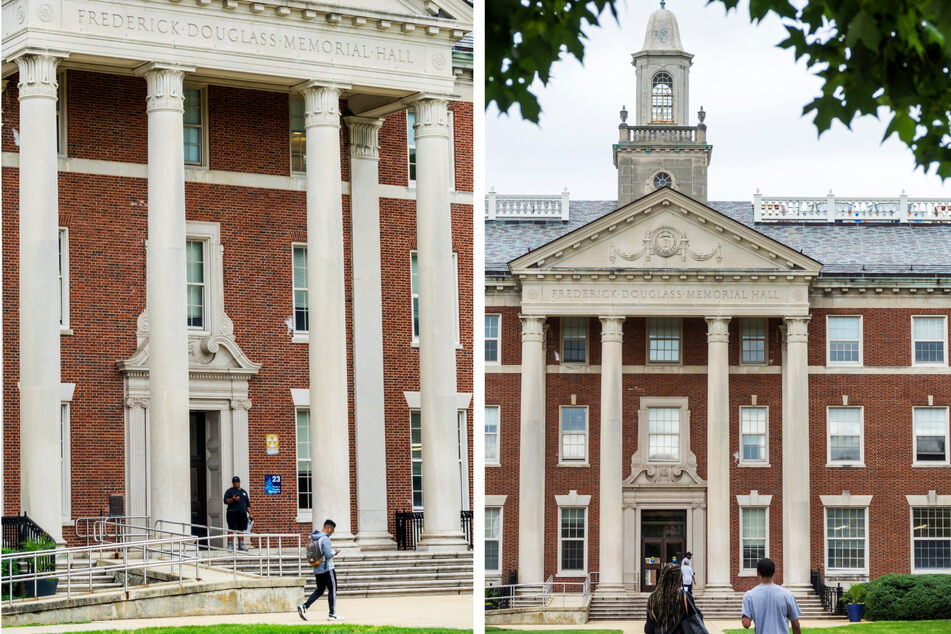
(907, 250)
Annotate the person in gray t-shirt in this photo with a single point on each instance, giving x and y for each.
(771, 607)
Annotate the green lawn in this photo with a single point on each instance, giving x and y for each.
(880, 627)
(284, 629)
(501, 629)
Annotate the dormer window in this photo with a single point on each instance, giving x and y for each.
(662, 98)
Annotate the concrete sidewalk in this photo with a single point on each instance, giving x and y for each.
(637, 627)
(423, 611)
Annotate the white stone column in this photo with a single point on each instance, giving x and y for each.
(611, 525)
(436, 281)
(796, 546)
(368, 333)
(165, 297)
(40, 488)
(329, 415)
(718, 455)
(531, 454)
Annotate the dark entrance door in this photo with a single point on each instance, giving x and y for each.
(663, 540)
(199, 479)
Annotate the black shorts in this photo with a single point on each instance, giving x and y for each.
(237, 521)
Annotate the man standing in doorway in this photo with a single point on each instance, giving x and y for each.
(686, 571)
(771, 607)
(326, 576)
(238, 504)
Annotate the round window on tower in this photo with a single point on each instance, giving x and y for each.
(662, 179)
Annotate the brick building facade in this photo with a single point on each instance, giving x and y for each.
(394, 140)
(737, 380)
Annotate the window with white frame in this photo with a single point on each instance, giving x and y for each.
(195, 256)
(493, 338)
(572, 523)
(753, 535)
(63, 277)
(929, 336)
(931, 537)
(414, 293)
(493, 540)
(574, 339)
(305, 482)
(193, 122)
(663, 340)
(298, 134)
(846, 539)
(752, 341)
(416, 457)
(574, 434)
(844, 340)
(301, 296)
(65, 462)
(492, 434)
(931, 435)
(411, 145)
(61, 114)
(845, 428)
(663, 434)
(753, 425)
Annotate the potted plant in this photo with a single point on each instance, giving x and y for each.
(854, 599)
(41, 587)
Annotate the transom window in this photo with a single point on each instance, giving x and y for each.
(929, 340)
(492, 338)
(931, 533)
(663, 340)
(493, 539)
(301, 296)
(298, 135)
(845, 435)
(846, 537)
(931, 434)
(193, 122)
(574, 434)
(752, 536)
(845, 337)
(662, 98)
(663, 434)
(492, 434)
(574, 339)
(195, 254)
(753, 341)
(753, 434)
(662, 179)
(572, 539)
(304, 478)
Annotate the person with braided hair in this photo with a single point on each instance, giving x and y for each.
(668, 604)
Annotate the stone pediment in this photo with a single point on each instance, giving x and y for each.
(451, 9)
(207, 355)
(665, 230)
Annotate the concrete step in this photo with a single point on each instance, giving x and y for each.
(712, 607)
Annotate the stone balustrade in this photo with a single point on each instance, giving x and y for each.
(662, 134)
(527, 207)
(850, 209)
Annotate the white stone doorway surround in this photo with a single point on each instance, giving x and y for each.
(692, 500)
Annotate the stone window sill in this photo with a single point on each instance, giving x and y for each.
(753, 465)
(925, 465)
(415, 344)
(571, 573)
(576, 464)
(746, 573)
(65, 331)
(304, 517)
(845, 465)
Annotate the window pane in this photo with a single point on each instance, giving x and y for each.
(304, 479)
(753, 534)
(574, 339)
(931, 427)
(928, 328)
(192, 139)
(846, 328)
(929, 352)
(663, 434)
(844, 334)
(416, 457)
(753, 335)
(573, 432)
(664, 340)
(845, 532)
(492, 434)
(491, 554)
(491, 326)
(572, 538)
(934, 554)
(192, 112)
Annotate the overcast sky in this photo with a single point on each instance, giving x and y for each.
(752, 91)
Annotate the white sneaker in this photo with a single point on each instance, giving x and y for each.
(334, 617)
(302, 611)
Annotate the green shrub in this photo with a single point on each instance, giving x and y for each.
(6, 569)
(856, 594)
(908, 598)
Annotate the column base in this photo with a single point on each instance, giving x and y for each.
(446, 543)
(344, 541)
(375, 540)
(800, 589)
(718, 588)
(609, 589)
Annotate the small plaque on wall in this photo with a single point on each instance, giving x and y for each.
(273, 445)
(272, 484)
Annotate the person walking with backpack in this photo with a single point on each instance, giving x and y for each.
(320, 555)
(671, 610)
(771, 607)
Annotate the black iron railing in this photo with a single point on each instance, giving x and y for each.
(19, 529)
(409, 527)
(831, 597)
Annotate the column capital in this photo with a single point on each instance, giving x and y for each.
(164, 85)
(38, 73)
(796, 328)
(432, 116)
(612, 329)
(322, 104)
(364, 137)
(533, 327)
(718, 329)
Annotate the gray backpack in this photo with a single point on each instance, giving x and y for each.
(314, 554)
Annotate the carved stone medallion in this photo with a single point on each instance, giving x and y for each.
(666, 242)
